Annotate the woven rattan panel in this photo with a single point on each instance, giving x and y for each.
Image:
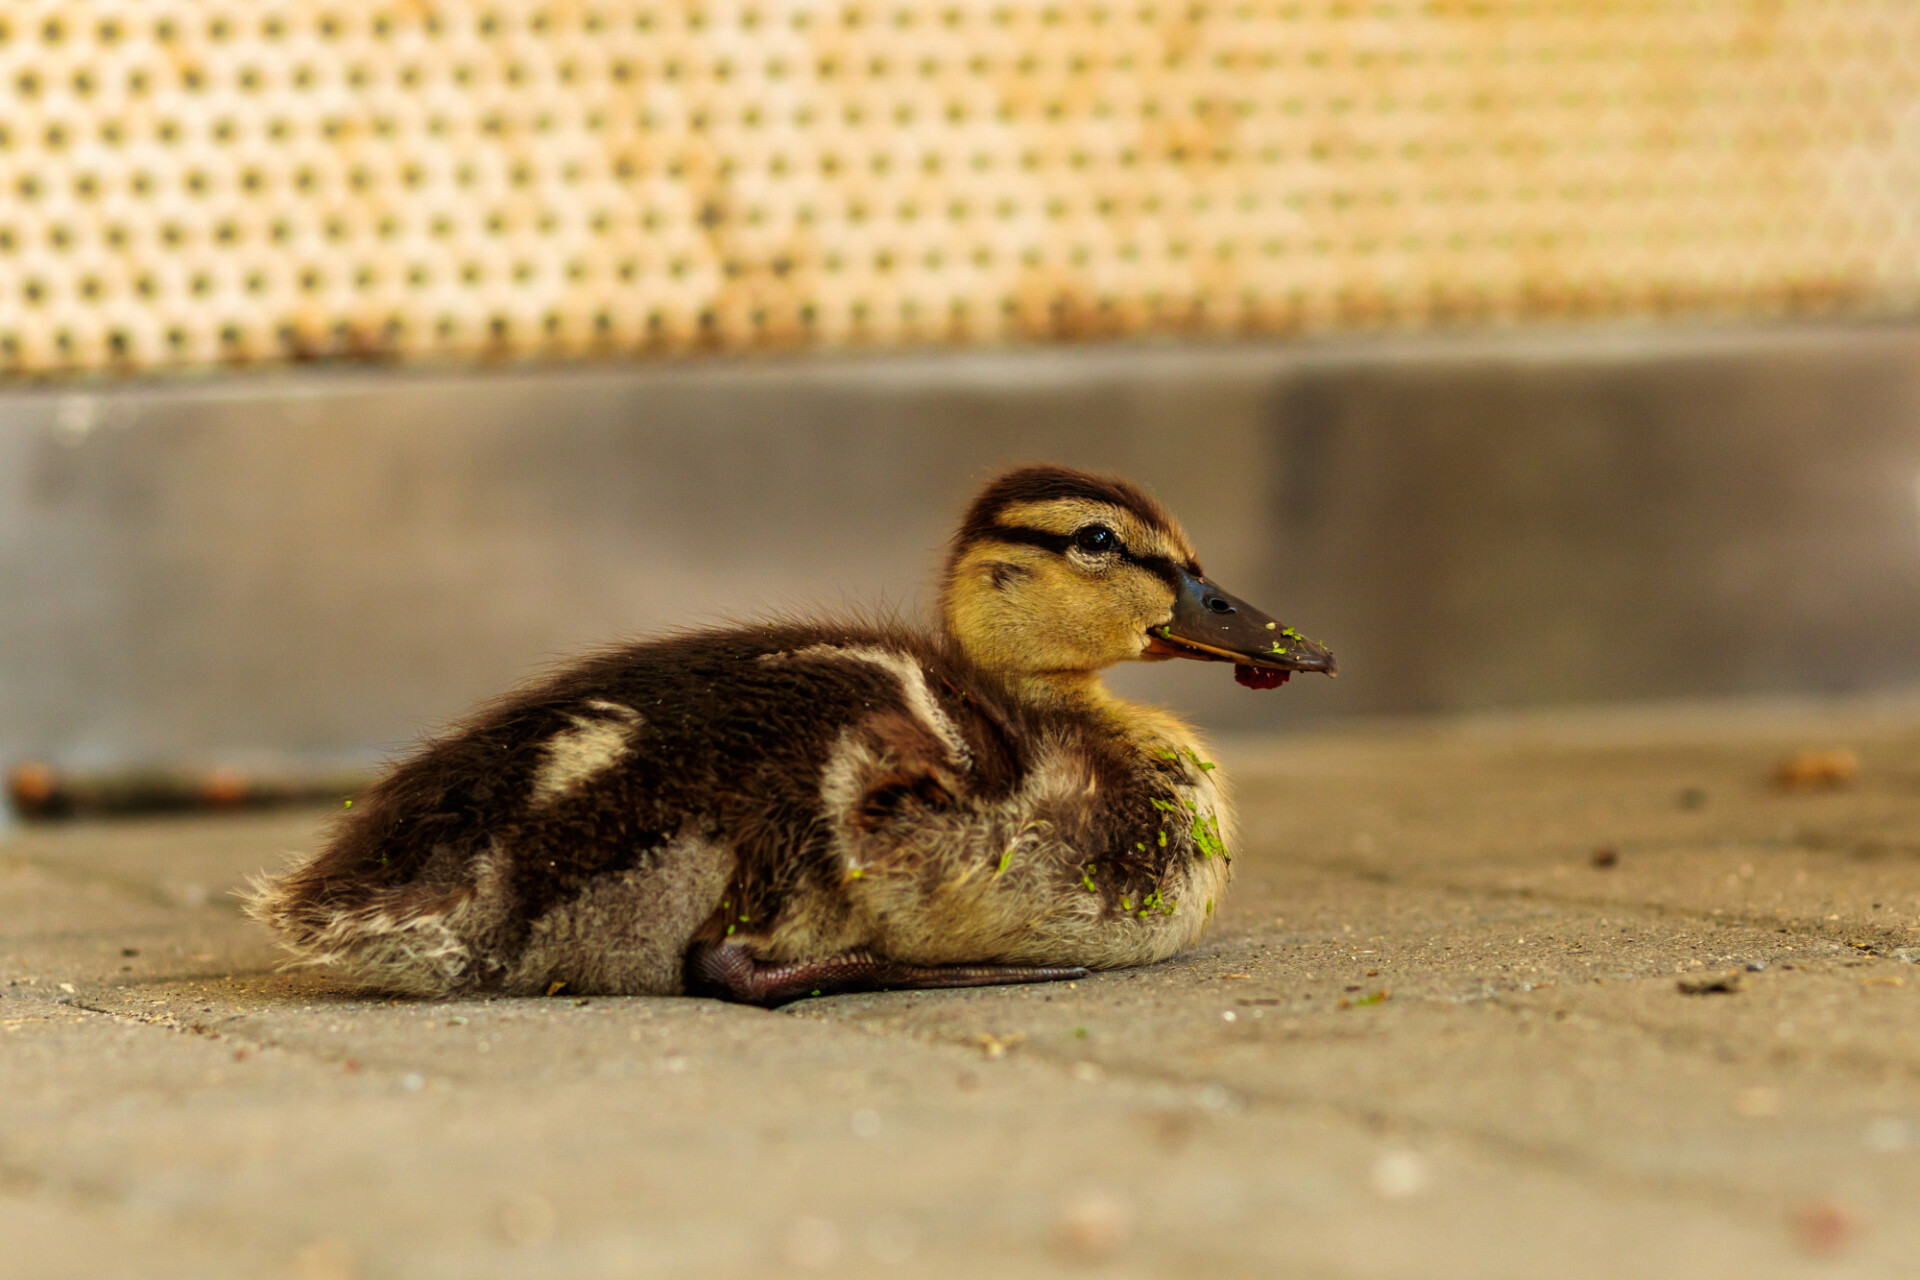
(185, 181)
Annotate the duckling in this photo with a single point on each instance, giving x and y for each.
(764, 813)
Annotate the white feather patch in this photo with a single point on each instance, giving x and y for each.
(591, 747)
(913, 687)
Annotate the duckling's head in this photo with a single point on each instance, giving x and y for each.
(1061, 573)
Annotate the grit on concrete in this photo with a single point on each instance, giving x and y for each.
(1431, 1036)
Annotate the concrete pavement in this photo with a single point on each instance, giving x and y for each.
(1440, 1031)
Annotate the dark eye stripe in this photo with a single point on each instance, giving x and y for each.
(1054, 542)
(1159, 566)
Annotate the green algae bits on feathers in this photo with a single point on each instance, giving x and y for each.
(1206, 835)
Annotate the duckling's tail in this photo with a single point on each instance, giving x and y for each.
(408, 939)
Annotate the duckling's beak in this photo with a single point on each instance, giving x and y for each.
(1213, 626)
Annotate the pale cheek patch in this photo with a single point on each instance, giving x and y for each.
(573, 756)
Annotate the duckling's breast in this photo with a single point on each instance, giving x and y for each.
(1095, 852)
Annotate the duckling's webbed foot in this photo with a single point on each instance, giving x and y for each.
(729, 971)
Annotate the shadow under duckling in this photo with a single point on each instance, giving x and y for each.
(766, 813)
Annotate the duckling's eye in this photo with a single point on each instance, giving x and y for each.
(1095, 539)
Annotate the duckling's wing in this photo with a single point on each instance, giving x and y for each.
(729, 971)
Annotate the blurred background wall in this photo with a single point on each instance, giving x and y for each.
(362, 358)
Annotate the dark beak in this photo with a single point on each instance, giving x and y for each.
(1213, 626)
